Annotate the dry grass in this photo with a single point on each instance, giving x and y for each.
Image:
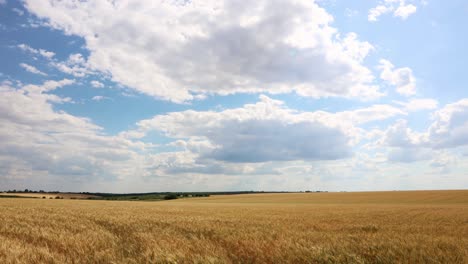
(392, 197)
(392, 227)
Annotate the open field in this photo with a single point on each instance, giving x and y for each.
(391, 197)
(378, 227)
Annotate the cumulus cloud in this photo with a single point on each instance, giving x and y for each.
(265, 140)
(404, 11)
(255, 133)
(44, 53)
(448, 130)
(377, 11)
(176, 51)
(400, 135)
(32, 69)
(399, 8)
(402, 144)
(401, 78)
(450, 126)
(41, 143)
(265, 131)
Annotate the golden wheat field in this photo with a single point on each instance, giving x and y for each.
(374, 227)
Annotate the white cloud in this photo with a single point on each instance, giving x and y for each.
(265, 131)
(399, 8)
(43, 148)
(174, 51)
(75, 65)
(401, 78)
(370, 114)
(377, 11)
(450, 126)
(255, 133)
(3, 2)
(97, 84)
(32, 69)
(404, 11)
(228, 149)
(448, 130)
(44, 53)
(45, 145)
(47, 87)
(402, 144)
(400, 135)
(419, 104)
(99, 98)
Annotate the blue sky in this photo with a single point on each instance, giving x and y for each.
(136, 96)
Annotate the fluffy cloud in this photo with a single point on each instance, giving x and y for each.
(450, 126)
(32, 69)
(401, 78)
(47, 145)
(265, 131)
(377, 11)
(254, 146)
(399, 8)
(179, 50)
(44, 53)
(448, 130)
(404, 11)
(400, 135)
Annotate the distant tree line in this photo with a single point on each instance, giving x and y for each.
(152, 195)
(179, 194)
(30, 191)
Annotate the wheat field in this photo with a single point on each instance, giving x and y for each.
(374, 227)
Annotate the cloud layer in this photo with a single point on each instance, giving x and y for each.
(265, 131)
(196, 55)
(42, 144)
(180, 49)
(264, 140)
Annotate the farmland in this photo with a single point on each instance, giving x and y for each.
(366, 227)
(48, 195)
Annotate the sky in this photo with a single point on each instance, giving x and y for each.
(225, 95)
